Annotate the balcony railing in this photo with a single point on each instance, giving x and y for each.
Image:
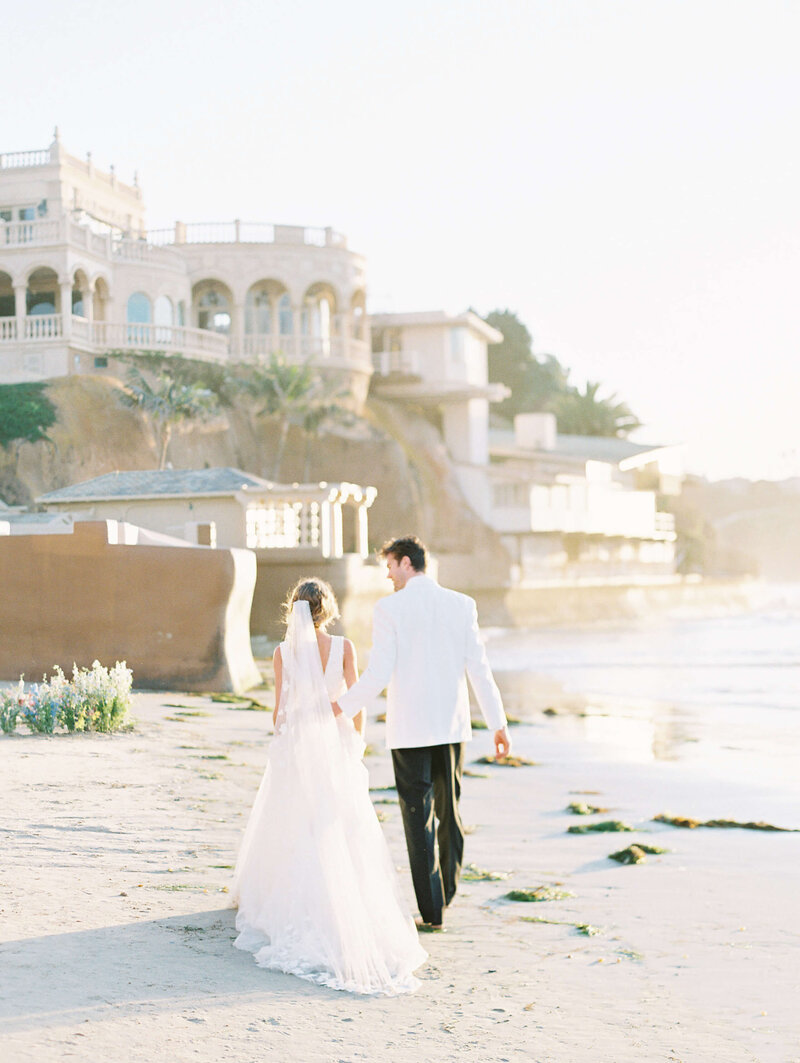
(334, 352)
(175, 339)
(44, 327)
(242, 232)
(43, 232)
(13, 160)
(126, 250)
(102, 336)
(396, 363)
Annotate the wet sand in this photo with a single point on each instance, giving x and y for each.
(117, 931)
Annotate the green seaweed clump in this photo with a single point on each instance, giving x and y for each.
(239, 701)
(587, 929)
(511, 761)
(605, 826)
(540, 893)
(686, 821)
(580, 808)
(636, 854)
(473, 873)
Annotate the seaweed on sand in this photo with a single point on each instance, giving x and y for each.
(580, 808)
(241, 701)
(473, 873)
(511, 761)
(686, 821)
(476, 774)
(636, 854)
(605, 826)
(540, 893)
(587, 929)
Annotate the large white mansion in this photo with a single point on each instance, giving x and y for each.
(82, 277)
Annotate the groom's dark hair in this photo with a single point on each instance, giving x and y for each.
(408, 546)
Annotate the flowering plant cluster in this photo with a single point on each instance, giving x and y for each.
(95, 699)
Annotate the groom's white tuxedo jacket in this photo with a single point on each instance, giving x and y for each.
(425, 643)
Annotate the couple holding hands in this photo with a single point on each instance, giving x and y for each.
(317, 894)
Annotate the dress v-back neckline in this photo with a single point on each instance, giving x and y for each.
(330, 655)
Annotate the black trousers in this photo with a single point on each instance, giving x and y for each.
(428, 782)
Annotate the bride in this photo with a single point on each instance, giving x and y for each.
(317, 893)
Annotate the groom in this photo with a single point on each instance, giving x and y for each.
(425, 643)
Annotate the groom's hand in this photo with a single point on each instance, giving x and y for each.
(336, 710)
(502, 742)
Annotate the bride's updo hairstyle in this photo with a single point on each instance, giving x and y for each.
(321, 601)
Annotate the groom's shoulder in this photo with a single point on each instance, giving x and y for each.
(456, 599)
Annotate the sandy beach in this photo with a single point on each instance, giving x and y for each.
(117, 927)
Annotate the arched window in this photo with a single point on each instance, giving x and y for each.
(258, 313)
(138, 310)
(213, 312)
(285, 316)
(181, 313)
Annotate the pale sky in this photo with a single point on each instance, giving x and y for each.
(624, 174)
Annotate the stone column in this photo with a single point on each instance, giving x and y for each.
(296, 351)
(66, 308)
(236, 344)
(20, 308)
(337, 543)
(362, 530)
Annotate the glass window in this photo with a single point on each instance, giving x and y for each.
(77, 303)
(182, 313)
(138, 311)
(27, 213)
(41, 302)
(213, 312)
(258, 313)
(285, 317)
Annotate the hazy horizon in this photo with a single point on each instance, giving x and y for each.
(618, 175)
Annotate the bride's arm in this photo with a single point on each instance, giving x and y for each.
(277, 665)
(351, 677)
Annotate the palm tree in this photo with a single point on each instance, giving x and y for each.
(288, 392)
(166, 402)
(585, 414)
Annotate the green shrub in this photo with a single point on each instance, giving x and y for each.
(25, 412)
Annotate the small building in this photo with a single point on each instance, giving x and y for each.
(225, 507)
(582, 507)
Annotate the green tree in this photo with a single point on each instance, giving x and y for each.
(166, 402)
(535, 381)
(584, 413)
(26, 413)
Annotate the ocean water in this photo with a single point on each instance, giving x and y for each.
(721, 694)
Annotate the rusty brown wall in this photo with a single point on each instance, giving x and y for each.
(178, 616)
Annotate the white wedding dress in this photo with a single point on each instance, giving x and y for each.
(317, 893)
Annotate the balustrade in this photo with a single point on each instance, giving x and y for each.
(127, 250)
(242, 232)
(8, 328)
(27, 233)
(15, 159)
(44, 327)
